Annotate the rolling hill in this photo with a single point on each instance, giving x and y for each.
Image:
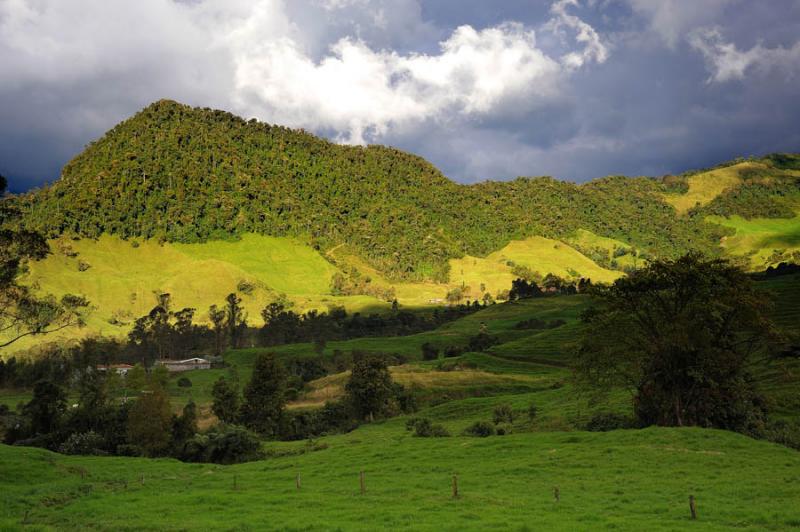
(200, 203)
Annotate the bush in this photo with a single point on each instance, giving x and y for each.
(503, 414)
(423, 428)
(606, 421)
(83, 265)
(429, 351)
(245, 287)
(480, 429)
(184, 382)
(482, 341)
(532, 411)
(452, 351)
(503, 429)
(225, 444)
(82, 443)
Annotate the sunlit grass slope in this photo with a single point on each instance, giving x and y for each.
(542, 255)
(122, 277)
(706, 186)
(760, 238)
(628, 480)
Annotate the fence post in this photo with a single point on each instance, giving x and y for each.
(693, 506)
(361, 481)
(297, 481)
(556, 493)
(455, 486)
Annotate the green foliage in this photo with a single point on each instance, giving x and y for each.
(682, 334)
(225, 401)
(265, 396)
(150, 423)
(481, 429)
(503, 413)
(370, 387)
(215, 176)
(424, 428)
(225, 444)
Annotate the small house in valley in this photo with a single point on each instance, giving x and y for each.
(189, 364)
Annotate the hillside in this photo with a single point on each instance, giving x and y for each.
(200, 203)
(179, 174)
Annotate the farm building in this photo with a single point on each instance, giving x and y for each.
(185, 365)
(121, 369)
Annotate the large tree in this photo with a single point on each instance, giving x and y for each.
(370, 387)
(681, 335)
(23, 313)
(265, 396)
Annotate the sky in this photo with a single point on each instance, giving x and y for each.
(576, 89)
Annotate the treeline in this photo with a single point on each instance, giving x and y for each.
(105, 421)
(180, 174)
(165, 333)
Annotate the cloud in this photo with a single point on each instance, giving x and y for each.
(726, 62)
(671, 20)
(594, 49)
(361, 93)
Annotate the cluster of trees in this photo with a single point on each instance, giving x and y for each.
(100, 423)
(180, 174)
(103, 420)
(683, 335)
(370, 394)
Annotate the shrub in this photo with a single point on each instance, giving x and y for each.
(503, 429)
(83, 265)
(480, 429)
(184, 382)
(423, 428)
(429, 351)
(225, 444)
(503, 414)
(606, 421)
(245, 287)
(452, 351)
(82, 443)
(482, 341)
(532, 411)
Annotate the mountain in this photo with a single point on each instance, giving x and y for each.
(186, 175)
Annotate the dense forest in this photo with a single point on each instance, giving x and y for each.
(183, 174)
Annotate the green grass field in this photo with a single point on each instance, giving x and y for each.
(758, 239)
(625, 479)
(629, 480)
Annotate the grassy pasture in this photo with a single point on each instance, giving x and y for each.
(630, 480)
(760, 237)
(706, 186)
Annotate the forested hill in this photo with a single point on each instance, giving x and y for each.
(183, 174)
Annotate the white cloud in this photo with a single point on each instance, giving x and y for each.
(253, 58)
(726, 62)
(594, 49)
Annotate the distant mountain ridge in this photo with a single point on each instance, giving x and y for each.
(181, 174)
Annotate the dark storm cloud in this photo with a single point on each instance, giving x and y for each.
(574, 89)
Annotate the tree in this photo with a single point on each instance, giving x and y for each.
(680, 334)
(184, 427)
(46, 407)
(225, 401)
(23, 313)
(217, 318)
(370, 386)
(265, 395)
(235, 319)
(429, 351)
(150, 423)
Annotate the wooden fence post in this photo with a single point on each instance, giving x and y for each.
(297, 481)
(455, 486)
(693, 506)
(361, 481)
(556, 493)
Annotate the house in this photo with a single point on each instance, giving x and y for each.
(121, 369)
(174, 366)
